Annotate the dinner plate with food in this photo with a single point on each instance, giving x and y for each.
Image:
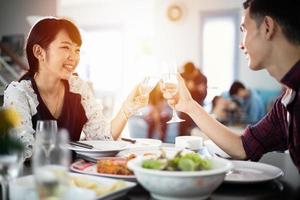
(98, 147)
(81, 187)
(116, 167)
(113, 167)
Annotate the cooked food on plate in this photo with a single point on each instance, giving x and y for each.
(114, 165)
(98, 188)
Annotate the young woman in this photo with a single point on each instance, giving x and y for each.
(51, 91)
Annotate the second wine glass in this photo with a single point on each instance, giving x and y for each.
(169, 87)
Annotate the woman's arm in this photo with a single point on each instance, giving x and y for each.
(21, 97)
(99, 127)
(133, 102)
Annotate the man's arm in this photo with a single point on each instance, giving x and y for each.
(230, 142)
(225, 138)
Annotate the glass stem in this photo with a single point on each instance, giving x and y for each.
(174, 114)
(5, 189)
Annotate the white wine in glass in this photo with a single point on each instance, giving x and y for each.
(170, 87)
(146, 86)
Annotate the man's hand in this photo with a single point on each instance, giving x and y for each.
(182, 99)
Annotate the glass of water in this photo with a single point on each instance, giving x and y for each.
(50, 169)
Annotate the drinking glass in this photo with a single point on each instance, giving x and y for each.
(10, 165)
(169, 85)
(45, 134)
(146, 86)
(51, 169)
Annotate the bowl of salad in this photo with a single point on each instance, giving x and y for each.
(185, 176)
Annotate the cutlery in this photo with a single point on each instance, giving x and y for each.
(129, 140)
(80, 144)
(218, 155)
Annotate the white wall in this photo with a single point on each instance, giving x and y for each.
(141, 19)
(185, 36)
(144, 19)
(13, 14)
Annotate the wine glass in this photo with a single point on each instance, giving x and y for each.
(169, 86)
(146, 86)
(45, 134)
(51, 169)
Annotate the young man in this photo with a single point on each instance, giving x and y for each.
(271, 41)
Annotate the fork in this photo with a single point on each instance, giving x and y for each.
(80, 144)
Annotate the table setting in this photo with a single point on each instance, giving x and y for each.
(54, 175)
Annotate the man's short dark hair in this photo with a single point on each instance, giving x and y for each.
(285, 12)
(235, 87)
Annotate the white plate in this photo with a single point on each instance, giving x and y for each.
(23, 189)
(103, 148)
(252, 172)
(91, 169)
(170, 152)
(144, 143)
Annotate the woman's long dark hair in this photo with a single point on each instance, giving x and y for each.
(43, 33)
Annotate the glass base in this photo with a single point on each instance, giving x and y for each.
(175, 119)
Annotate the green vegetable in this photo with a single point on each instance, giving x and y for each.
(187, 165)
(187, 162)
(154, 164)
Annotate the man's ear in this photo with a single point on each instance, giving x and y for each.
(38, 52)
(269, 27)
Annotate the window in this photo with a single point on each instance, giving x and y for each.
(102, 59)
(219, 50)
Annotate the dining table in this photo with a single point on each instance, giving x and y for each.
(286, 187)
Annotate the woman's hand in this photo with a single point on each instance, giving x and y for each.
(134, 102)
(182, 99)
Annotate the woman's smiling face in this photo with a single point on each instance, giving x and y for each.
(61, 57)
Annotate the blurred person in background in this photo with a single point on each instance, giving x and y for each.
(158, 114)
(225, 111)
(196, 83)
(251, 105)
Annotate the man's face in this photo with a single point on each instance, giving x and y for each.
(253, 43)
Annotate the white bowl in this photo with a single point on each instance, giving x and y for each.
(180, 185)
